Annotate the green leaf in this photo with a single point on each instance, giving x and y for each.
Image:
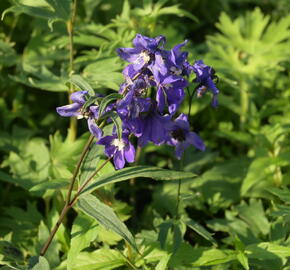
(64, 154)
(177, 237)
(54, 184)
(79, 82)
(33, 8)
(61, 8)
(31, 165)
(282, 194)
(254, 216)
(38, 263)
(200, 230)
(138, 171)
(106, 100)
(100, 259)
(91, 206)
(8, 56)
(84, 231)
(243, 259)
(164, 229)
(10, 252)
(200, 256)
(105, 72)
(42, 78)
(267, 250)
(257, 174)
(117, 122)
(90, 162)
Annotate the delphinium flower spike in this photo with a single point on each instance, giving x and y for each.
(152, 93)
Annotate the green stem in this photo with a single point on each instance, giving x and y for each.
(178, 191)
(244, 103)
(70, 31)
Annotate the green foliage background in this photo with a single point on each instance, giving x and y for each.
(234, 208)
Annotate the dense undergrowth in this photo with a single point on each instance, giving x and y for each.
(231, 210)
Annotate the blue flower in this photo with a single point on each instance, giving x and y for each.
(169, 91)
(76, 110)
(143, 51)
(182, 137)
(205, 76)
(154, 127)
(120, 149)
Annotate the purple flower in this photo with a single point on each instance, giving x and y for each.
(169, 91)
(182, 137)
(143, 51)
(76, 109)
(120, 149)
(132, 105)
(205, 76)
(154, 127)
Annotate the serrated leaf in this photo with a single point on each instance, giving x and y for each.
(38, 263)
(138, 171)
(200, 230)
(83, 85)
(91, 206)
(106, 100)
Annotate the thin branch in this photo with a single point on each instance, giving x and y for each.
(81, 188)
(76, 171)
(67, 206)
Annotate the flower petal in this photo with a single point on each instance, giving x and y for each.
(94, 129)
(160, 98)
(194, 139)
(130, 153)
(119, 160)
(69, 110)
(129, 54)
(79, 97)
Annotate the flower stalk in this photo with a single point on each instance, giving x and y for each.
(71, 201)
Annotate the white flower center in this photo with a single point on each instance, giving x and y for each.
(176, 71)
(119, 144)
(142, 56)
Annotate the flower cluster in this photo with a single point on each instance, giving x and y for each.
(154, 88)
